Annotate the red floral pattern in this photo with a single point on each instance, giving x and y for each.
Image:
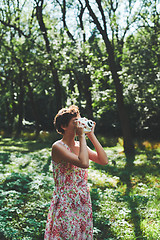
(70, 213)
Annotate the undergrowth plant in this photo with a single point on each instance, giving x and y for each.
(125, 202)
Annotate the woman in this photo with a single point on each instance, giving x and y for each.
(70, 213)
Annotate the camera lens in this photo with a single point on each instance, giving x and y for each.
(90, 123)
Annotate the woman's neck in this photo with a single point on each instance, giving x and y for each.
(69, 140)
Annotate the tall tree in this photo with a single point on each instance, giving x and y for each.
(54, 70)
(141, 72)
(125, 126)
(82, 78)
(17, 76)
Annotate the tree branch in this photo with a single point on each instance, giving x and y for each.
(102, 14)
(20, 32)
(80, 19)
(95, 19)
(63, 10)
(42, 24)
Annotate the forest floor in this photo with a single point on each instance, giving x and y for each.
(125, 202)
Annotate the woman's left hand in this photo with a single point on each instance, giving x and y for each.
(92, 131)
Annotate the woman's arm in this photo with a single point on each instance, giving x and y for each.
(100, 155)
(83, 151)
(59, 152)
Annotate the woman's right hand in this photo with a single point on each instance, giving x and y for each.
(79, 128)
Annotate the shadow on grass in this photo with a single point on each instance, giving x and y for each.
(125, 177)
(10, 145)
(125, 174)
(4, 158)
(103, 228)
(133, 206)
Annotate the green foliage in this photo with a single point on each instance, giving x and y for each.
(25, 191)
(141, 70)
(125, 202)
(18, 182)
(28, 71)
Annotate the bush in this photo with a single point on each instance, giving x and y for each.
(125, 203)
(18, 182)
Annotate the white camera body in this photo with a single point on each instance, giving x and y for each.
(87, 124)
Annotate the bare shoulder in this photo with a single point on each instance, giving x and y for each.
(55, 144)
(57, 149)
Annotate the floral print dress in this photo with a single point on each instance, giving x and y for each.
(70, 213)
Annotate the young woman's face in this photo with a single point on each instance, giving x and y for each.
(72, 124)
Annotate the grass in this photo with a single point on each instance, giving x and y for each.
(125, 201)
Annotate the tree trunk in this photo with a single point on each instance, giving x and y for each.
(125, 126)
(34, 108)
(9, 117)
(88, 96)
(20, 103)
(10, 111)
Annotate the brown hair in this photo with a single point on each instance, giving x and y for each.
(64, 116)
